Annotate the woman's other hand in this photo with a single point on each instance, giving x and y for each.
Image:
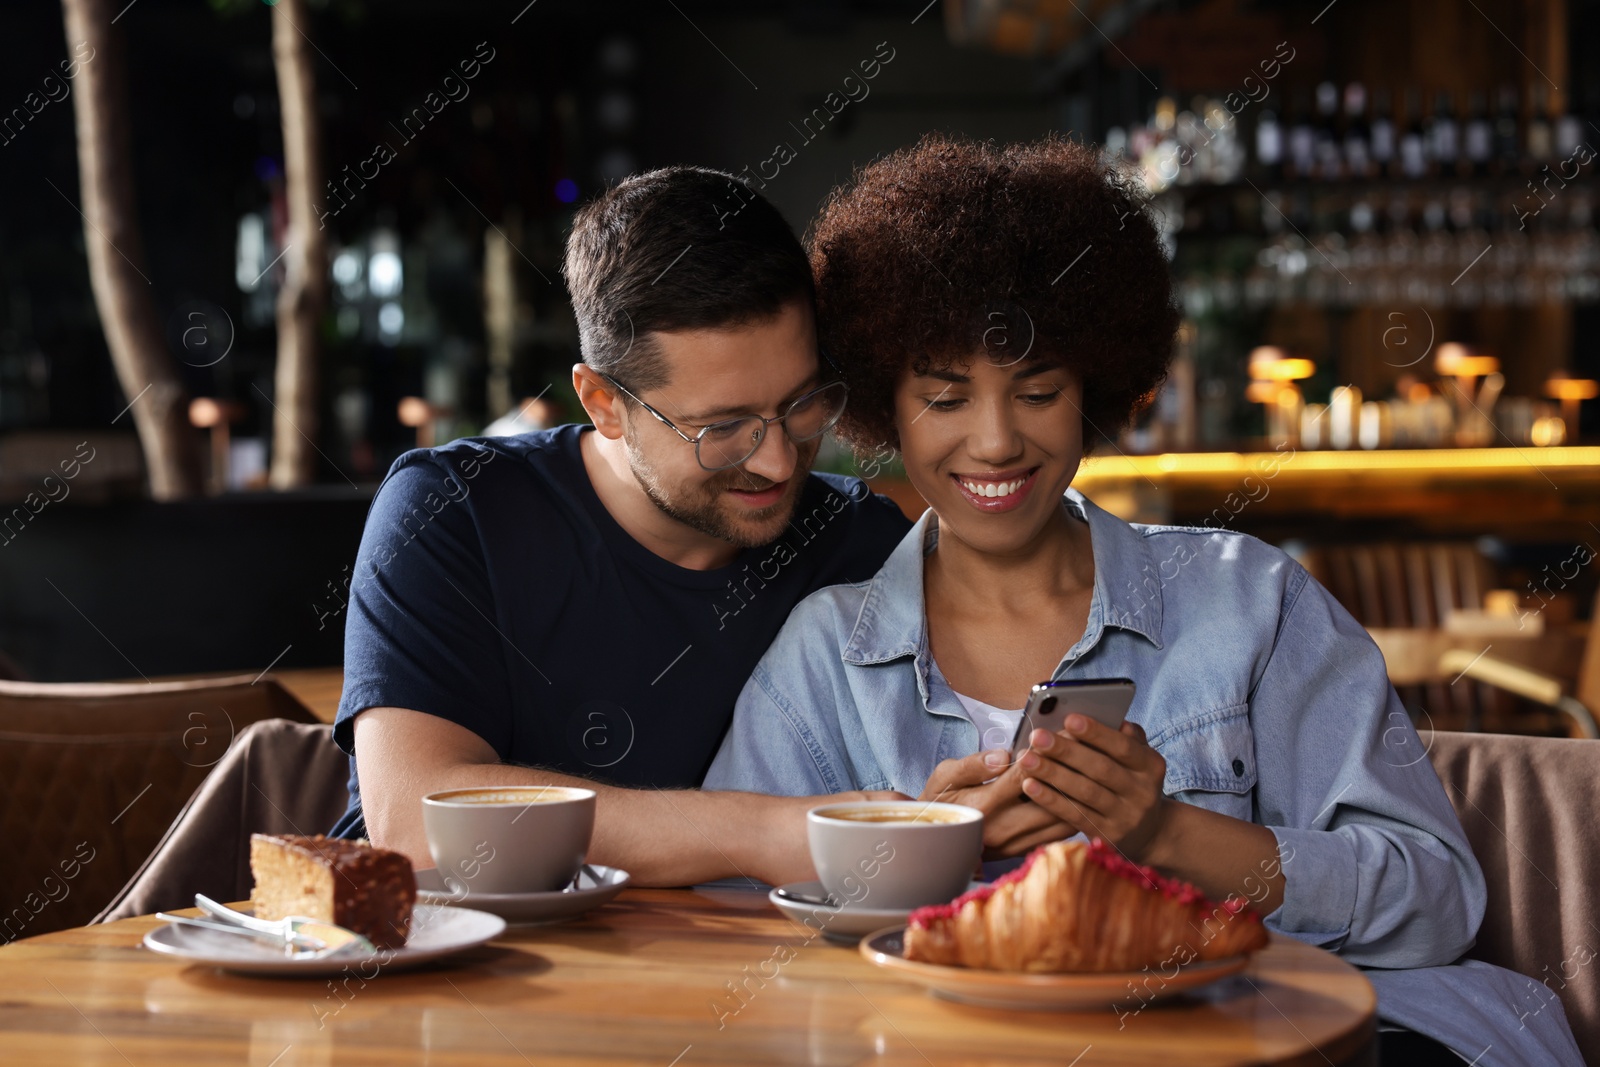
(1106, 781)
(989, 782)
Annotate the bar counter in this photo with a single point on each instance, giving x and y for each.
(1545, 494)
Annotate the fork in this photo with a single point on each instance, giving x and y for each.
(290, 930)
(301, 947)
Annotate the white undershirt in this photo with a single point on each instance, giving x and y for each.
(996, 726)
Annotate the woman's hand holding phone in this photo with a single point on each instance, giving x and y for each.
(1107, 782)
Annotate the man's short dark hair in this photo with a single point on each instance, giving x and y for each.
(679, 248)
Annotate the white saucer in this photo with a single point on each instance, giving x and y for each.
(547, 907)
(435, 932)
(846, 925)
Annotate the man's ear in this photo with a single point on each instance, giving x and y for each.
(600, 399)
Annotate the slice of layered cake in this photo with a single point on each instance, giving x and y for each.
(348, 883)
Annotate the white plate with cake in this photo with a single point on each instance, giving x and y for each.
(594, 886)
(1076, 928)
(370, 891)
(435, 932)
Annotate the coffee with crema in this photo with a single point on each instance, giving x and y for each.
(508, 796)
(509, 839)
(900, 815)
(894, 854)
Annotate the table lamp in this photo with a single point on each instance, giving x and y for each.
(1273, 374)
(1571, 392)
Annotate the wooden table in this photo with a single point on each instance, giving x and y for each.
(648, 979)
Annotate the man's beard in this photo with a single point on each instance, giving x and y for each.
(704, 507)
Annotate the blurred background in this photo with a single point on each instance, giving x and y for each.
(1382, 218)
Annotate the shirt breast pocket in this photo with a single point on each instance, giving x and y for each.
(1211, 761)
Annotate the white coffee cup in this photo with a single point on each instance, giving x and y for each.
(895, 853)
(508, 839)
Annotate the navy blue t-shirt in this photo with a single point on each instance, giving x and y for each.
(493, 589)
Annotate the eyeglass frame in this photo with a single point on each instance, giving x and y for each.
(765, 422)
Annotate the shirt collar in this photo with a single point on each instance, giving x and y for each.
(1127, 589)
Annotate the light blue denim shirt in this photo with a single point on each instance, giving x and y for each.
(1269, 703)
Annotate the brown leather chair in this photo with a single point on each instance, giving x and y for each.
(1528, 806)
(91, 776)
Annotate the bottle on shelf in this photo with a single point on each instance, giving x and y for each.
(1302, 138)
(1269, 146)
(1507, 150)
(1444, 136)
(1381, 138)
(1569, 132)
(1413, 141)
(1329, 160)
(1541, 137)
(1477, 139)
(1357, 138)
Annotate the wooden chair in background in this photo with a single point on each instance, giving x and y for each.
(1577, 701)
(91, 776)
(1423, 604)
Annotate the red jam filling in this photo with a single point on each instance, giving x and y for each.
(1109, 859)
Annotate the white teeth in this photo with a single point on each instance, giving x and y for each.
(993, 489)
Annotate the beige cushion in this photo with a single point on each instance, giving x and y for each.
(1531, 809)
(278, 778)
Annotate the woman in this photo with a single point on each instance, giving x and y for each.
(997, 312)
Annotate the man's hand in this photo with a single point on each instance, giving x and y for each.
(1108, 782)
(989, 782)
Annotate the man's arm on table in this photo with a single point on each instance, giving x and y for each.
(660, 837)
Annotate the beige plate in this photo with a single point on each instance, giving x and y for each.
(1039, 992)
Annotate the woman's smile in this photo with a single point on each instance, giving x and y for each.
(998, 490)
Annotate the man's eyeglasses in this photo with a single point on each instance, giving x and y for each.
(732, 441)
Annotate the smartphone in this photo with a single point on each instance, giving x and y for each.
(1105, 700)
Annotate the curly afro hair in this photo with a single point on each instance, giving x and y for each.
(955, 248)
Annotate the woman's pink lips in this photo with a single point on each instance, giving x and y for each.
(998, 503)
(765, 498)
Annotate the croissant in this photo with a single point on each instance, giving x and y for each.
(1075, 907)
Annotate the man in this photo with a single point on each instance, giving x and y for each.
(582, 607)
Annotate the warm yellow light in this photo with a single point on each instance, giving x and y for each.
(414, 411)
(1457, 361)
(1451, 353)
(1263, 392)
(1456, 461)
(204, 412)
(1262, 354)
(1572, 388)
(1269, 363)
(1284, 370)
(1548, 431)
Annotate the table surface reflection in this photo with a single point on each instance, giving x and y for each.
(659, 976)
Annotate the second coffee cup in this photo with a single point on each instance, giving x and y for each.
(509, 839)
(894, 854)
